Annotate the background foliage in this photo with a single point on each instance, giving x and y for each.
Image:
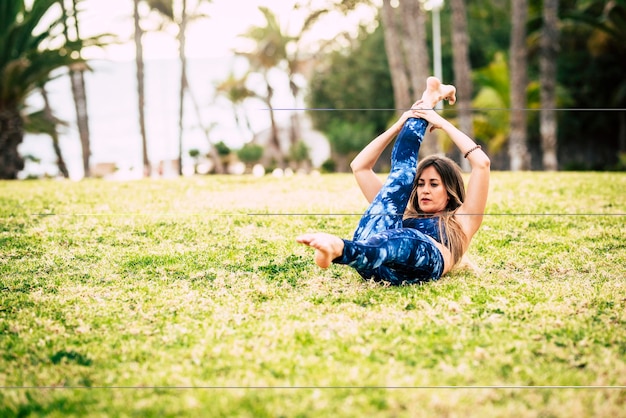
(591, 86)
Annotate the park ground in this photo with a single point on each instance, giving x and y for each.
(190, 297)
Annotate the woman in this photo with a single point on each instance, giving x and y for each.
(421, 220)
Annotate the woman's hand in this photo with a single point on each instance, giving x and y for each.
(434, 118)
(411, 112)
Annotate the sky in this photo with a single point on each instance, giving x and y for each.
(216, 36)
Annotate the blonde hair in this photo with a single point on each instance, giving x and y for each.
(452, 181)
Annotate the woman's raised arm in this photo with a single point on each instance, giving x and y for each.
(363, 164)
(473, 208)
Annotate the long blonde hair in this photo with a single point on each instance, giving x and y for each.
(452, 180)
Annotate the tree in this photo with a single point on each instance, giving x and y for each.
(283, 47)
(77, 80)
(45, 122)
(548, 62)
(141, 94)
(299, 154)
(603, 26)
(178, 13)
(269, 52)
(235, 89)
(29, 52)
(250, 154)
(399, 77)
(347, 139)
(462, 70)
(489, 25)
(184, 81)
(492, 121)
(414, 45)
(518, 148)
(355, 83)
(298, 63)
(407, 52)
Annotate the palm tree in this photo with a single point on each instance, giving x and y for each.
(184, 82)
(166, 8)
(414, 45)
(77, 79)
(492, 118)
(235, 90)
(399, 76)
(407, 53)
(548, 58)
(29, 52)
(45, 122)
(206, 129)
(518, 148)
(297, 65)
(270, 51)
(141, 94)
(289, 53)
(462, 70)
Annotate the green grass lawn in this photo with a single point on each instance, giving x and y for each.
(190, 297)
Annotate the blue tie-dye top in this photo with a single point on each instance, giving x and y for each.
(427, 226)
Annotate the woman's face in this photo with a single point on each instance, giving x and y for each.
(431, 193)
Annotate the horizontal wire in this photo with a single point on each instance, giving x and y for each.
(465, 214)
(476, 109)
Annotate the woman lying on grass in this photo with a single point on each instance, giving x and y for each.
(421, 220)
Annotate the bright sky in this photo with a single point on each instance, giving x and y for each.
(212, 37)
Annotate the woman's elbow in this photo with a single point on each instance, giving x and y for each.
(482, 162)
(356, 166)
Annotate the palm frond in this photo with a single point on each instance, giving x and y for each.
(39, 122)
(25, 62)
(164, 7)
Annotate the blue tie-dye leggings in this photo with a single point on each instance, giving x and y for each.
(381, 248)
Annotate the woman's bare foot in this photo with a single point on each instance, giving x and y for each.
(436, 92)
(327, 247)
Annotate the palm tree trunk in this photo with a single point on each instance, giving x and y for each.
(275, 140)
(47, 110)
(415, 46)
(219, 166)
(415, 60)
(82, 119)
(183, 83)
(296, 130)
(549, 52)
(518, 148)
(399, 78)
(462, 72)
(11, 136)
(141, 95)
(79, 92)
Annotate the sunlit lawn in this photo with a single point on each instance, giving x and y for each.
(190, 297)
